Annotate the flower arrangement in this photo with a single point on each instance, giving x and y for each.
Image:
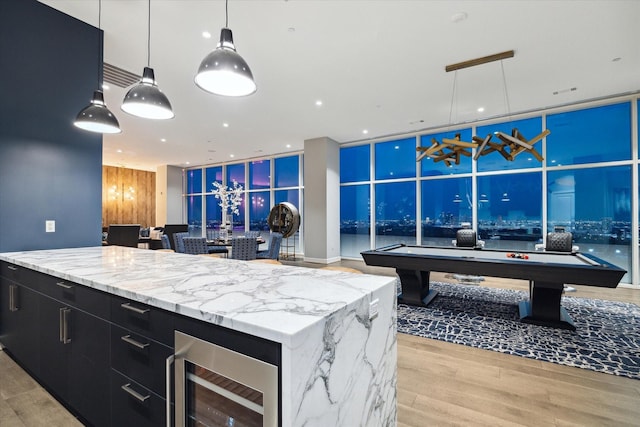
(230, 197)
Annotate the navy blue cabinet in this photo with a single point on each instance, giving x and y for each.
(45, 326)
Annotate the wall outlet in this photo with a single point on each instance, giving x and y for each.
(373, 308)
(50, 226)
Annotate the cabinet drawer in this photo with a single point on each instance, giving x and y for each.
(22, 275)
(79, 296)
(135, 405)
(10, 271)
(143, 319)
(139, 358)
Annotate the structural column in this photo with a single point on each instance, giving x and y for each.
(169, 195)
(321, 200)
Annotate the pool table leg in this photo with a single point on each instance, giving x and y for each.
(544, 308)
(415, 287)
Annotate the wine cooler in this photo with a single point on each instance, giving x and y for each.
(215, 386)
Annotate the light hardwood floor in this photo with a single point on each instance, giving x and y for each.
(439, 384)
(444, 384)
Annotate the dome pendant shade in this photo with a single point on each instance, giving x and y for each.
(96, 117)
(146, 100)
(224, 72)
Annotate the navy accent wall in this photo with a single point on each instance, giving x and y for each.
(50, 64)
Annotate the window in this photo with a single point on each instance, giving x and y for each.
(194, 215)
(194, 181)
(529, 128)
(235, 173)
(592, 135)
(510, 210)
(595, 205)
(396, 159)
(446, 203)
(395, 212)
(254, 209)
(290, 196)
(259, 203)
(355, 223)
(429, 167)
(355, 163)
(214, 212)
(260, 174)
(286, 171)
(213, 174)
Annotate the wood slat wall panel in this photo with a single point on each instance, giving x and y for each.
(141, 210)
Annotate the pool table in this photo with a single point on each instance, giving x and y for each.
(546, 271)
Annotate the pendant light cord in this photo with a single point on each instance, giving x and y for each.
(453, 93)
(149, 36)
(100, 45)
(506, 93)
(226, 14)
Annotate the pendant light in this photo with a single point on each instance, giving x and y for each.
(223, 71)
(96, 117)
(145, 98)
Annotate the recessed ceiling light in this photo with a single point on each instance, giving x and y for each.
(187, 163)
(459, 17)
(397, 147)
(480, 109)
(163, 139)
(231, 155)
(118, 151)
(288, 145)
(225, 125)
(318, 102)
(206, 34)
(365, 131)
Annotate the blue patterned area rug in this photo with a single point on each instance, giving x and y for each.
(607, 338)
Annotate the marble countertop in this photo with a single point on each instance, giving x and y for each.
(275, 302)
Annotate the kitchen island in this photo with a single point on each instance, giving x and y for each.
(335, 332)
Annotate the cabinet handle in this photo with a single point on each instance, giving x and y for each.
(64, 325)
(128, 306)
(132, 392)
(169, 362)
(64, 285)
(13, 298)
(12, 267)
(128, 339)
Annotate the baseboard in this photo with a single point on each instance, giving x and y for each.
(322, 260)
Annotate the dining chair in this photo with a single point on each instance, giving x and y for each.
(244, 248)
(212, 236)
(123, 235)
(195, 245)
(171, 229)
(273, 252)
(166, 245)
(179, 241)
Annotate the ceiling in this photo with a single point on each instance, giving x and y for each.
(375, 65)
